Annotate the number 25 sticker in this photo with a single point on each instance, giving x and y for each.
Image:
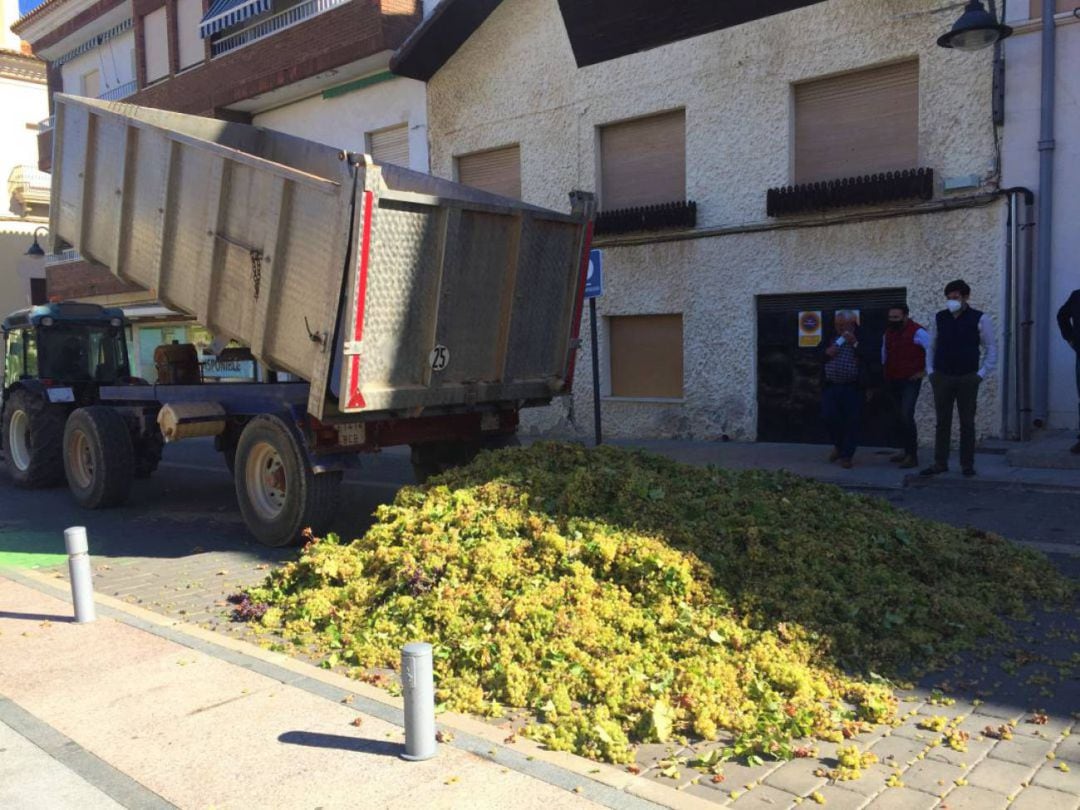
(439, 358)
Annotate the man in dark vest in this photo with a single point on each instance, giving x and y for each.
(903, 356)
(1068, 319)
(963, 354)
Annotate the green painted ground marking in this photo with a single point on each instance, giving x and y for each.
(22, 549)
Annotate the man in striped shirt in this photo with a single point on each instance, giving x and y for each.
(841, 401)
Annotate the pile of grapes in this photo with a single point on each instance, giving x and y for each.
(621, 597)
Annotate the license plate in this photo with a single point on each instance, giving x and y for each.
(61, 395)
(351, 434)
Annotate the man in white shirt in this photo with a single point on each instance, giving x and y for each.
(963, 354)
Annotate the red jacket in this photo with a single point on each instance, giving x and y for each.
(904, 358)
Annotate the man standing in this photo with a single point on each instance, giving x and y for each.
(841, 402)
(903, 355)
(953, 364)
(1068, 318)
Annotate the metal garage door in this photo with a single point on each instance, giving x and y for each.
(790, 374)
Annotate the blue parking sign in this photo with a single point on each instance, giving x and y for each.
(594, 281)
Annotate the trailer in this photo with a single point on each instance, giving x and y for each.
(413, 310)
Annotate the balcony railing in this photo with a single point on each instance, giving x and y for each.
(63, 257)
(119, 92)
(271, 25)
(45, 124)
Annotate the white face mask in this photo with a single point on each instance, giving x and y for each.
(953, 306)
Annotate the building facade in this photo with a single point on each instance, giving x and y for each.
(313, 68)
(25, 206)
(707, 319)
(1021, 154)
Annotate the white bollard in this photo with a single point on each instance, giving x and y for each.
(82, 586)
(418, 689)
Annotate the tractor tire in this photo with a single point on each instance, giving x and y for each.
(434, 458)
(99, 459)
(279, 494)
(34, 440)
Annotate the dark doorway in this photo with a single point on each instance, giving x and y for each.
(790, 374)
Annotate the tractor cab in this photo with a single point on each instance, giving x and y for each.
(67, 343)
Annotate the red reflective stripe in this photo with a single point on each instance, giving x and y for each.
(575, 327)
(356, 399)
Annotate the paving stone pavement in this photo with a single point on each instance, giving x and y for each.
(201, 556)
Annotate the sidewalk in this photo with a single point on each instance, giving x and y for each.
(158, 717)
(872, 469)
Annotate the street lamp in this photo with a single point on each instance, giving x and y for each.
(976, 29)
(35, 249)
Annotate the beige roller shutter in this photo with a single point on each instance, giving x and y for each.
(497, 171)
(643, 162)
(646, 356)
(390, 145)
(856, 124)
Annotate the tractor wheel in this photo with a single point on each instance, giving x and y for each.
(34, 440)
(99, 459)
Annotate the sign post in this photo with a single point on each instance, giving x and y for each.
(594, 288)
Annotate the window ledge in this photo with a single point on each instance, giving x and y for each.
(664, 216)
(646, 400)
(871, 189)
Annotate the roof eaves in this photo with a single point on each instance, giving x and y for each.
(439, 37)
(33, 14)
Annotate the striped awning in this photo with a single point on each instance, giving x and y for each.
(225, 13)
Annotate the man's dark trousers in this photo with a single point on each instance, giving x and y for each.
(905, 395)
(841, 408)
(1078, 388)
(961, 391)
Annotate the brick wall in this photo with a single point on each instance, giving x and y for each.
(82, 280)
(353, 31)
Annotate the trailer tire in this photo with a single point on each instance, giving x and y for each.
(99, 458)
(34, 440)
(279, 494)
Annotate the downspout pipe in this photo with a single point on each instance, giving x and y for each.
(1016, 354)
(1041, 393)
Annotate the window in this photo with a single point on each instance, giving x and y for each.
(188, 15)
(857, 124)
(155, 45)
(13, 365)
(38, 292)
(643, 162)
(497, 171)
(390, 145)
(91, 84)
(646, 356)
(1060, 7)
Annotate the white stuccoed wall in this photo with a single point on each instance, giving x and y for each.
(113, 59)
(515, 81)
(1020, 146)
(343, 121)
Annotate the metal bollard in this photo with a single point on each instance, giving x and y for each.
(82, 586)
(418, 688)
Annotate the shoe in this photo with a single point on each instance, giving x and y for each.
(834, 455)
(846, 463)
(1075, 449)
(934, 469)
(909, 462)
(968, 472)
(899, 458)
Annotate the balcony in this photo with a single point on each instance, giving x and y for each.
(29, 187)
(271, 25)
(68, 256)
(120, 91)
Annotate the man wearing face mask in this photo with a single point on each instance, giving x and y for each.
(903, 356)
(962, 335)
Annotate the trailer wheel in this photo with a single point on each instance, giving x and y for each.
(148, 454)
(99, 459)
(34, 440)
(438, 457)
(278, 493)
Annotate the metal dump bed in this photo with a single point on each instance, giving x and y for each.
(390, 291)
